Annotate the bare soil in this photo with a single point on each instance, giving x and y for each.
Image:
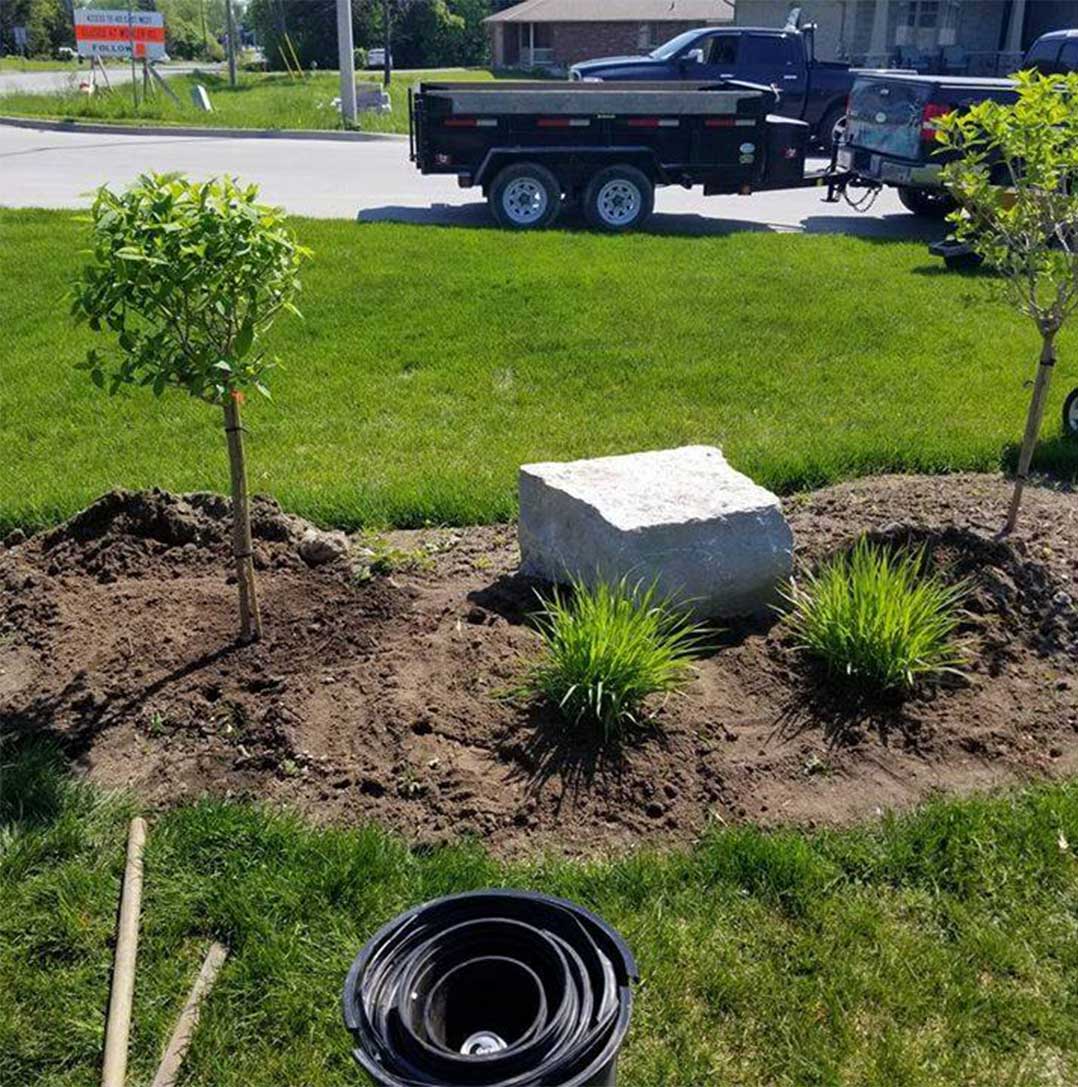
(387, 696)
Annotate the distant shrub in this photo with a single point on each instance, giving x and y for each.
(875, 616)
(359, 58)
(606, 650)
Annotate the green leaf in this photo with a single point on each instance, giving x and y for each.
(245, 338)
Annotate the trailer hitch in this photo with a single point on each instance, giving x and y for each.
(839, 188)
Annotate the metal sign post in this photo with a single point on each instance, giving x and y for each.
(131, 40)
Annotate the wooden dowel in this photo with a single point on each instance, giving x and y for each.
(118, 1027)
(172, 1058)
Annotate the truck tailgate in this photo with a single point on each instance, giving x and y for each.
(885, 115)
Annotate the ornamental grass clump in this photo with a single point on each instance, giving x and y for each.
(607, 649)
(875, 616)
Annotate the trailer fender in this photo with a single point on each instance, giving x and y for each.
(572, 166)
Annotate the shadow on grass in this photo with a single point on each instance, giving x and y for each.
(1055, 457)
(34, 781)
(885, 229)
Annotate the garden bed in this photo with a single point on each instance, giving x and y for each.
(383, 688)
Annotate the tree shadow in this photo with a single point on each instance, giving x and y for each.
(33, 780)
(93, 716)
(1055, 457)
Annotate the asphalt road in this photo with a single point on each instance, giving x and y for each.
(373, 180)
(67, 79)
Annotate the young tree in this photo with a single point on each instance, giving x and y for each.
(1015, 177)
(188, 276)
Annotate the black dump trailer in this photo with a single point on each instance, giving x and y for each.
(531, 145)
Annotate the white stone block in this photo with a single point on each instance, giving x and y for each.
(712, 539)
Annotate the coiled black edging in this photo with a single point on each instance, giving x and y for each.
(491, 989)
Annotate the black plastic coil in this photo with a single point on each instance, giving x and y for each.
(545, 982)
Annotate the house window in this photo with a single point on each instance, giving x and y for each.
(535, 42)
(926, 24)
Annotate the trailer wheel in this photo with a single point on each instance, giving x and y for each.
(1070, 414)
(525, 196)
(929, 203)
(618, 199)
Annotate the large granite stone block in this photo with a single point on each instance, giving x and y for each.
(713, 539)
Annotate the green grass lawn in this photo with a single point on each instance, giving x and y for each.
(34, 64)
(264, 101)
(933, 950)
(432, 362)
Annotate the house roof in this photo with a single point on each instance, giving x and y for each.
(616, 11)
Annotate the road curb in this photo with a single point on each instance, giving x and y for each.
(93, 128)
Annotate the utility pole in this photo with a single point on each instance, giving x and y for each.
(231, 43)
(347, 61)
(387, 23)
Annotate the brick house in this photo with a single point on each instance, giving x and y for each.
(554, 34)
(974, 37)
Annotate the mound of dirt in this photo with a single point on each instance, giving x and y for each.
(385, 697)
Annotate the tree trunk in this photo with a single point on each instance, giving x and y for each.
(387, 62)
(1033, 425)
(250, 619)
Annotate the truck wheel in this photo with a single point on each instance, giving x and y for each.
(618, 199)
(525, 196)
(831, 128)
(1070, 414)
(930, 203)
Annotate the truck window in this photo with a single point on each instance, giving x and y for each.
(723, 50)
(764, 51)
(1068, 57)
(1044, 56)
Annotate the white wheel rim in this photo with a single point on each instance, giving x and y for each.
(619, 202)
(525, 201)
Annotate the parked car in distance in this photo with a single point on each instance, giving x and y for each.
(810, 90)
(376, 58)
(890, 133)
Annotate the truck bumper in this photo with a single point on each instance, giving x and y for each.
(889, 171)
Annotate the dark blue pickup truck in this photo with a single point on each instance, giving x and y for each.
(890, 137)
(810, 90)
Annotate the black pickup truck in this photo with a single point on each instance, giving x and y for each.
(811, 90)
(890, 134)
(530, 145)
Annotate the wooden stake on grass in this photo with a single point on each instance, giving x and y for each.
(171, 1060)
(118, 1026)
(250, 617)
